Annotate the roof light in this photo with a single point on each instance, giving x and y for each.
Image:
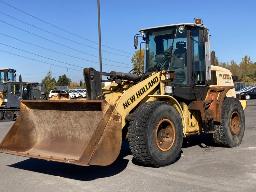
(198, 21)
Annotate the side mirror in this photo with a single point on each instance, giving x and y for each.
(136, 41)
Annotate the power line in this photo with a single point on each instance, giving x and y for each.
(44, 57)
(41, 56)
(47, 49)
(62, 53)
(39, 28)
(36, 60)
(54, 34)
(46, 39)
(52, 41)
(59, 28)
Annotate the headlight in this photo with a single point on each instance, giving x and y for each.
(5, 100)
(168, 89)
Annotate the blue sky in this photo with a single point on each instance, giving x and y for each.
(231, 23)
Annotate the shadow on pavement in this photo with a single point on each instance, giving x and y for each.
(91, 172)
(203, 141)
(73, 171)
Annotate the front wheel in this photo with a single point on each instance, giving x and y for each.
(155, 134)
(231, 130)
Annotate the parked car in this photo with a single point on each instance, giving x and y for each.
(248, 94)
(82, 93)
(72, 95)
(244, 89)
(55, 93)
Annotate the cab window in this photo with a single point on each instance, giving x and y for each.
(167, 50)
(198, 58)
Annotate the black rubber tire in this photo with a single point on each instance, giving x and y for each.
(1, 115)
(9, 116)
(223, 135)
(140, 134)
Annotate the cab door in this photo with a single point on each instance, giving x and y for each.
(201, 67)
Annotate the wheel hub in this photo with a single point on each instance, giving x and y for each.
(165, 135)
(235, 123)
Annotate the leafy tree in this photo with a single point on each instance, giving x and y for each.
(214, 59)
(82, 85)
(234, 68)
(63, 80)
(73, 85)
(245, 70)
(20, 78)
(49, 82)
(138, 62)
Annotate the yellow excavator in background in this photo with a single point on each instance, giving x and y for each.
(180, 94)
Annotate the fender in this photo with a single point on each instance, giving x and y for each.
(211, 107)
(173, 102)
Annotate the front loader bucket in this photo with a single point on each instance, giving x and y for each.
(77, 132)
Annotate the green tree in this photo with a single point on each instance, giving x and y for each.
(138, 62)
(49, 82)
(245, 70)
(20, 78)
(73, 85)
(82, 84)
(214, 59)
(63, 80)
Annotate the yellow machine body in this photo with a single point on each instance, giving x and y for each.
(89, 132)
(1, 98)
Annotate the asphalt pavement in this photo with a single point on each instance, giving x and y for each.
(200, 168)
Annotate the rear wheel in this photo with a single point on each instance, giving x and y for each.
(231, 130)
(9, 115)
(155, 134)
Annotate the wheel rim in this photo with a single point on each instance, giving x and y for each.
(165, 134)
(235, 123)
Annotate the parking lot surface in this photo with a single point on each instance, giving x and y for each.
(200, 168)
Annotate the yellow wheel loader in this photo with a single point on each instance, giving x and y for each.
(179, 94)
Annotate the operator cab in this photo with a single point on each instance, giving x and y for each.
(7, 75)
(182, 49)
(13, 92)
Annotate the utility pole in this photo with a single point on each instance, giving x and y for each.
(99, 35)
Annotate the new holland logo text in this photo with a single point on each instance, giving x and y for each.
(140, 92)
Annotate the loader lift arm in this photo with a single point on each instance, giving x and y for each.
(94, 83)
